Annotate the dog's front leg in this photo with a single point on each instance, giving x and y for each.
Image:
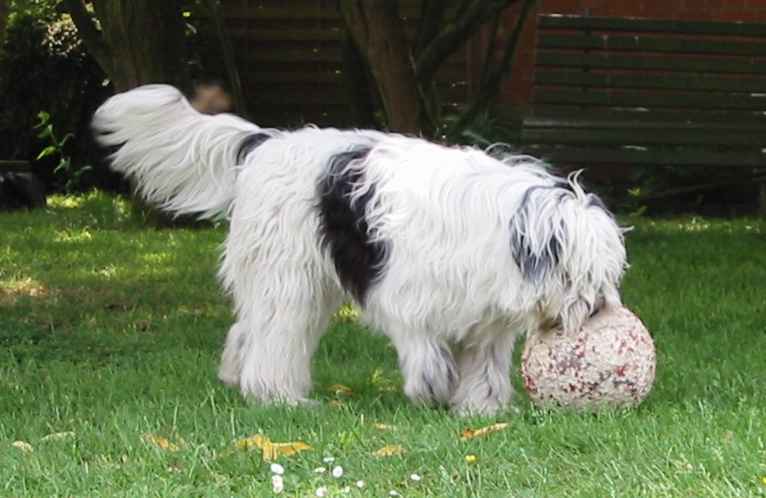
(484, 370)
(429, 371)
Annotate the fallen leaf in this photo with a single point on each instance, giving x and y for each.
(58, 436)
(471, 459)
(389, 450)
(340, 390)
(728, 436)
(270, 450)
(160, 442)
(381, 382)
(23, 446)
(383, 427)
(473, 433)
(251, 442)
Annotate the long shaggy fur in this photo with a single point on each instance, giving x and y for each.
(450, 252)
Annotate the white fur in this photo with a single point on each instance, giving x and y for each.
(180, 159)
(452, 297)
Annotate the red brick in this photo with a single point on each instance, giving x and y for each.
(709, 4)
(658, 10)
(560, 6)
(739, 15)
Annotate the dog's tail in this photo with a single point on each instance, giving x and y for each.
(184, 161)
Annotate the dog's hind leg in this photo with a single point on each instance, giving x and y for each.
(283, 325)
(231, 368)
(283, 298)
(484, 368)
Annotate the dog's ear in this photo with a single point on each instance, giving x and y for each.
(538, 231)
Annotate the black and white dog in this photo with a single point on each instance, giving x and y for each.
(450, 252)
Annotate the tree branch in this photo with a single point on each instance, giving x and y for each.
(453, 35)
(431, 16)
(489, 56)
(90, 34)
(495, 76)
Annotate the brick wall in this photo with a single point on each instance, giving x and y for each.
(517, 88)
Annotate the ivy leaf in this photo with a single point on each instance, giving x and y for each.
(48, 151)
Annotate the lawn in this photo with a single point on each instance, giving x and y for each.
(109, 341)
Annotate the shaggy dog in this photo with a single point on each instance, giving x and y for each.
(450, 252)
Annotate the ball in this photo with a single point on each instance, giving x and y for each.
(610, 362)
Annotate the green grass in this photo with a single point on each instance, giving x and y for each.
(112, 331)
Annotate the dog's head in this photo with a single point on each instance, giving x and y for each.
(570, 252)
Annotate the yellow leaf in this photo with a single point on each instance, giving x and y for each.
(471, 459)
(472, 433)
(340, 390)
(23, 446)
(251, 442)
(284, 449)
(270, 450)
(763, 480)
(160, 442)
(389, 450)
(383, 427)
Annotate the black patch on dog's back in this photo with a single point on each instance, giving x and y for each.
(249, 144)
(344, 229)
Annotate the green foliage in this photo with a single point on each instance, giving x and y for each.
(110, 331)
(70, 174)
(45, 72)
(42, 10)
(43, 66)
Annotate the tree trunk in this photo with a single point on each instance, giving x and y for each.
(358, 85)
(379, 33)
(146, 41)
(139, 41)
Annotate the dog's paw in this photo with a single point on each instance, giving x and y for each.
(431, 390)
(489, 406)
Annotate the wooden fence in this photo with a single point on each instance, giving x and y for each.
(289, 53)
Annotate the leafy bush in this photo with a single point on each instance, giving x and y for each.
(70, 173)
(44, 68)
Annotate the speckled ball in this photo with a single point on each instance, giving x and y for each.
(610, 362)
